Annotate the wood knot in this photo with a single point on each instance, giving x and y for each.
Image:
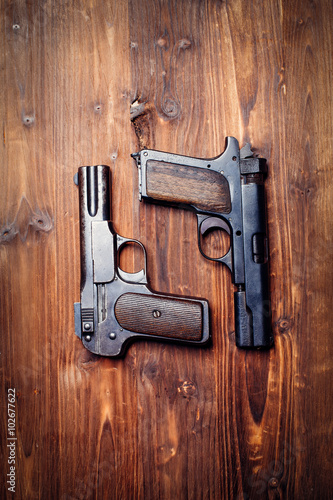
(164, 41)
(28, 121)
(303, 190)
(26, 217)
(170, 107)
(7, 233)
(41, 222)
(273, 482)
(87, 360)
(188, 389)
(161, 42)
(184, 44)
(283, 325)
(151, 370)
(165, 452)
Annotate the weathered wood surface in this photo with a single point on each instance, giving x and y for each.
(91, 82)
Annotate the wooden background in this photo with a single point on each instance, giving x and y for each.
(88, 82)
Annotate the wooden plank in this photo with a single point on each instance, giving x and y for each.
(90, 83)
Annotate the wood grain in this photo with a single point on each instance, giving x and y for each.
(87, 83)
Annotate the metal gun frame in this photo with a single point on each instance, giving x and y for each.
(103, 282)
(247, 257)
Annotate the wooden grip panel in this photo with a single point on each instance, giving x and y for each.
(205, 189)
(162, 316)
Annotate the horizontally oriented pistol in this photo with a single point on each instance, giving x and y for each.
(226, 192)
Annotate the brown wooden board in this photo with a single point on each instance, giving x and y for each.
(86, 83)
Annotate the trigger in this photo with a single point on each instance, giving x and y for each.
(211, 223)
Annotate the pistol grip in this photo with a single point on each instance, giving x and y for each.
(135, 312)
(130, 315)
(160, 316)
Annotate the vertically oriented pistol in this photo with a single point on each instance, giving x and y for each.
(116, 306)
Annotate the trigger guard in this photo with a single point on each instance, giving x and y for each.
(122, 241)
(139, 276)
(206, 224)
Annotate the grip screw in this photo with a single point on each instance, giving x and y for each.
(156, 313)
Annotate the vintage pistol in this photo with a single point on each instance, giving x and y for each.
(116, 306)
(225, 192)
